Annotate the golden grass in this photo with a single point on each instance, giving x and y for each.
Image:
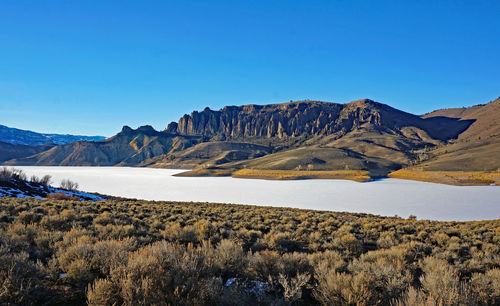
(355, 175)
(205, 172)
(449, 177)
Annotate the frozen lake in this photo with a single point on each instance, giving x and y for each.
(386, 197)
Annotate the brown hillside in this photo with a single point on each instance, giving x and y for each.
(477, 148)
(485, 119)
(208, 154)
(9, 151)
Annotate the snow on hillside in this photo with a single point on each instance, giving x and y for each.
(17, 136)
(29, 193)
(15, 183)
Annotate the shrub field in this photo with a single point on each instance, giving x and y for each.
(129, 252)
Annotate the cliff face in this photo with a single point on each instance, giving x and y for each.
(290, 119)
(310, 118)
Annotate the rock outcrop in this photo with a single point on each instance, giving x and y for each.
(306, 118)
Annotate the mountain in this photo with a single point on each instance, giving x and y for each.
(298, 136)
(24, 137)
(128, 148)
(303, 119)
(314, 135)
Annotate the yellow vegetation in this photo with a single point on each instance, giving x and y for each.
(355, 175)
(206, 172)
(449, 177)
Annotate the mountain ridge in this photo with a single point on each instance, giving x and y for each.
(298, 135)
(30, 138)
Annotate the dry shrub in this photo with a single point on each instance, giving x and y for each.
(229, 258)
(263, 263)
(111, 231)
(164, 273)
(374, 280)
(18, 277)
(27, 217)
(487, 287)
(104, 218)
(59, 222)
(76, 260)
(111, 254)
(204, 229)
(62, 196)
(282, 242)
(413, 297)
(351, 243)
(69, 185)
(115, 246)
(334, 288)
(103, 292)
(442, 284)
(172, 231)
(292, 286)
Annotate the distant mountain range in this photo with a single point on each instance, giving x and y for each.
(29, 138)
(300, 135)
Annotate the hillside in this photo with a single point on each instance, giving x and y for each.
(14, 183)
(127, 148)
(477, 148)
(30, 138)
(208, 154)
(10, 151)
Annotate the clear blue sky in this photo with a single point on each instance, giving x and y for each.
(89, 67)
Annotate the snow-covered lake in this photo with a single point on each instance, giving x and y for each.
(384, 197)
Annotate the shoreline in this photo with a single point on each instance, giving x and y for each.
(454, 178)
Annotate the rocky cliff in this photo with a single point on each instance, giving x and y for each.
(307, 118)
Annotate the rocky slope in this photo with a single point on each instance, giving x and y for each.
(309, 118)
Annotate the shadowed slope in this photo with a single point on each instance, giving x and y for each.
(9, 151)
(477, 148)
